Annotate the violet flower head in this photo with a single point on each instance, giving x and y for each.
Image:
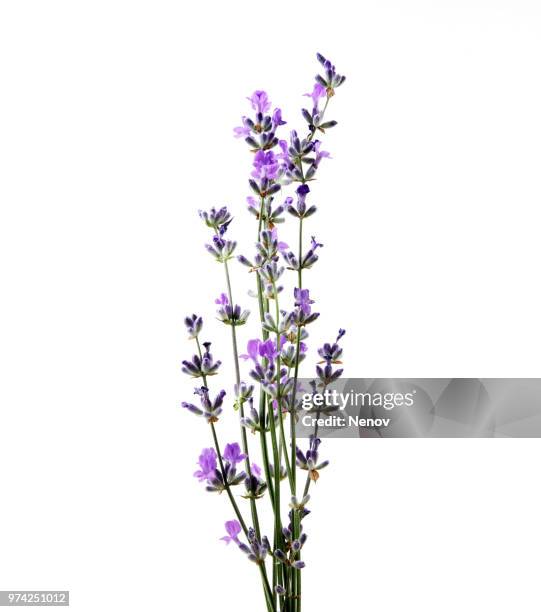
(330, 79)
(210, 409)
(260, 101)
(303, 301)
(257, 549)
(231, 314)
(315, 244)
(194, 324)
(319, 153)
(233, 529)
(233, 454)
(222, 299)
(216, 218)
(300, 209)
(255, 487)
(252, 349)
(277, 120)
(310, 460)
(207, 464)
(266, 165)
(267, 350)
(222, 250)
(201, 366)
(243, 130)
(330, 353)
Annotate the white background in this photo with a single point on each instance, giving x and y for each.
(115, 127)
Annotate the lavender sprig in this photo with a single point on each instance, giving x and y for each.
(274, 357)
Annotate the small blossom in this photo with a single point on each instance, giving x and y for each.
(260, 101)
(233, 529)
(233, 454)
(210, 409)
(277, 118)
(207, 464)
(266, 165)
(194, 324)
(243, 130)
(303, 301)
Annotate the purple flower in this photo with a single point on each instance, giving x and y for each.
(233, 529)
(315, 244)
(222, 300)
(284, 155)
(207, 463)
(303, 301)
(260, 101)
(256, 470)
(210, 409)
(265, 165)
(232, 453)
(277, 118)
(243, 130)
(253, 350)
(267, 349)
(194, 324)
(317, 93)
(319, 154)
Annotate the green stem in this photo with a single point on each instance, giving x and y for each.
(244, 438)
(278, 395)
(268, 592)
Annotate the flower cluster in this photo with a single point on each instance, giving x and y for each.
(268, 405)
(227, 476)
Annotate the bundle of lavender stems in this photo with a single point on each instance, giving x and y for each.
(268, 467)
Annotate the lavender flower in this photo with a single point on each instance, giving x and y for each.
(310, 460)
(201, 366)
(300, 210)
(266, 165)
(207, 464)
(194, 325)
(253, 423)
(277, 120)
(216, 218)
(331, 79)
(220, 481)
(229, 314)
(222, 250)
(303, 301)
(255, 487)
(260, 101)
(274, 356)
(257, 549)
(233, 454)
(243, 130)
(233, 529)
(210, 409)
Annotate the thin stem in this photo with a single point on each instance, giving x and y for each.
(227, 487)
(268, 593)
(279, 399)
(244, 438)
(276, 505)
(263, 306)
